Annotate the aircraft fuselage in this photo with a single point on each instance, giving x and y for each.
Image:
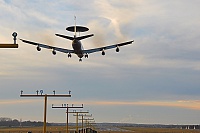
(78, 48)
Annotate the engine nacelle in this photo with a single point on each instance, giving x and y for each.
(117, 49)
(38, 48)
(54, 52)
(103, 52)
(69, 55)
(86, 56)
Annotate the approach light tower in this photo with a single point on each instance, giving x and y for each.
(15, 45)
(88, 120)
(82, 118)
(40, 94)
(67, 112)
(77, 113)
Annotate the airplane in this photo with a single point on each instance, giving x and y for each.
(76, 44)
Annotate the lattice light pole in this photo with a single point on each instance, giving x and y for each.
(83, 115)
(45, 101)
(15, 45)
(87, 120)
(67, 112)
(77, 113)
(92, 123)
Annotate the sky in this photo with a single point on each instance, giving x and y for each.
(155, 80)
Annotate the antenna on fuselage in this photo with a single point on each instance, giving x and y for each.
(74, 26)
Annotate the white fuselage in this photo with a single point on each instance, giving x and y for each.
(78, 48)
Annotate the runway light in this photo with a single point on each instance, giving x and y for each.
(41, 91)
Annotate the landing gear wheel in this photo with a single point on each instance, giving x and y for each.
(69, 55)
(80, 60)
(86, 56)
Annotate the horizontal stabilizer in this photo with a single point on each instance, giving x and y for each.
(67, 37)
(83, 37)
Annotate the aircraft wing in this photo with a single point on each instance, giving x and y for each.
(63, 50)
(106, 47)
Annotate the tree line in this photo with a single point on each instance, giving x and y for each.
(8, 122)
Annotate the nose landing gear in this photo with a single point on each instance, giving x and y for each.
(86, 56)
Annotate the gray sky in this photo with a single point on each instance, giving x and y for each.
(154, 80)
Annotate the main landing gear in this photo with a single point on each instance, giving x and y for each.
(69, 55)
(80, 60)
(86, 56)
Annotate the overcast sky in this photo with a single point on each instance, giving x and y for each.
(153, 80)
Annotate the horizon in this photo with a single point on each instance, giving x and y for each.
(12, 119)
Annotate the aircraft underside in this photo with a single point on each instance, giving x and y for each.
(76, 44)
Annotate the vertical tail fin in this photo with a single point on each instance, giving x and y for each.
(74, 26)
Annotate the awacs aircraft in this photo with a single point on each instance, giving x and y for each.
(76, 44)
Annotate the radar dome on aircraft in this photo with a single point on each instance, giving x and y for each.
(78, 29)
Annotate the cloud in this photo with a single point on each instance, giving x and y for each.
(116, 16)
(189, 104)
(142, 61)
(17, 101)
(185, 104)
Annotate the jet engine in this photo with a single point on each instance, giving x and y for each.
(103, 52)
(86, 56)
(69, 55)
(38, 48)
(117, 49)
(54, 52)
